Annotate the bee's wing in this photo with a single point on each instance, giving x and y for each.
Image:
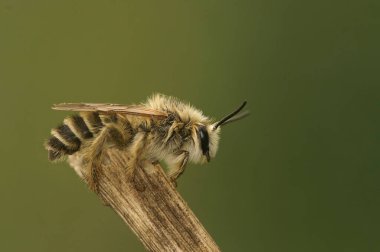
(138, 110)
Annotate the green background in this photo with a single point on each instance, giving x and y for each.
(300, 174)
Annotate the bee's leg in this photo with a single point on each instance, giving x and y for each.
(178, 166)
(95, 156)
(136, 149)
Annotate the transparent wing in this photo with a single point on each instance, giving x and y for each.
(137, 110)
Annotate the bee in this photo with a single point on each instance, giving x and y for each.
(161, 129)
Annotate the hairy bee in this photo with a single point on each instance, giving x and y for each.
(161, 129)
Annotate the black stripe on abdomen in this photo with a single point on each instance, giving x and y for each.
(65, 132)
(63, 142)
(95, 122)
(57, 149)
(81, 126)
(56, 144)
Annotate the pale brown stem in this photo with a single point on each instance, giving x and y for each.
(150, 205)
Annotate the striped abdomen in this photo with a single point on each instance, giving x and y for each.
(67, 138)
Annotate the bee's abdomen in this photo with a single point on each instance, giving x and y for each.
(68, 137)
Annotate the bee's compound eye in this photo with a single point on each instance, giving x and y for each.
(204, 139)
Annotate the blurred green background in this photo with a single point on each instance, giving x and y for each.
(300, 174)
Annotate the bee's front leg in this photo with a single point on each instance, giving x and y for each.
(177, 166)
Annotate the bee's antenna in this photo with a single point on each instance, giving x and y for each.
(225, 119)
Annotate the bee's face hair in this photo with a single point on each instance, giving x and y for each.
(232, 116)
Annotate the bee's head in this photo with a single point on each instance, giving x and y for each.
(209, 135)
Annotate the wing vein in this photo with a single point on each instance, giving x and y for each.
(137, 110)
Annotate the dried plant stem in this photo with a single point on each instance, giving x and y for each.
(150, 205)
